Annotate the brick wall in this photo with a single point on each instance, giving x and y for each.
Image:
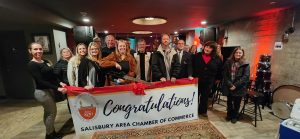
(257, 36)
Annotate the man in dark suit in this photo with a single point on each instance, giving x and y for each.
(185, 60)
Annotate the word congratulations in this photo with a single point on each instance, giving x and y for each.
(149, 105)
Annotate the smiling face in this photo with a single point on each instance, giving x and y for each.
(36, 50)
(110, 41)
(122, 47)
(94, 50)
(208, 50)
(81, 50)
(238, 54)
(165, 39)
(66, 54)
(180, 45)
(142, 46)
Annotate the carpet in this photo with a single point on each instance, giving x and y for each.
(195, 129)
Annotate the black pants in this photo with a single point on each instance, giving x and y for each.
(204, 89)
(233, 106)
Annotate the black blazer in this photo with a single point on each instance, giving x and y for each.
(159, 69)
(207, 72)
(84, 69)
(186, 65)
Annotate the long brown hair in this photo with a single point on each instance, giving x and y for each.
(232, 58)
(117, 53)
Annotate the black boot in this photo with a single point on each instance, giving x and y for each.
(53, 135)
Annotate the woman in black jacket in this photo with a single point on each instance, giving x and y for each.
(207, 67)
(90, 74)
(46, 86)
(60, 68)
(236, 76)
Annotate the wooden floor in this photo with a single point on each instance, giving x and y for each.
(23, 120)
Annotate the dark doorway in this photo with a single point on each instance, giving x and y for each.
(13, 65)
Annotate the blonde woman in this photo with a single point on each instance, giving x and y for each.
(61, 67)
(89, 72)
(74, 62)
(120, 61)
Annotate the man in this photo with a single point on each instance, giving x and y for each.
(185, 60)
(165, 63)
(143, 61)
(110, 45)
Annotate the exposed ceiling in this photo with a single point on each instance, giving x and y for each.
(116, 15)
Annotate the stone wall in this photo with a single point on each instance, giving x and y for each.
(258, 34)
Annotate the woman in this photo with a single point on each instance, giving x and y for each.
(60, 68)
(46, 86)
(121, 63)
(73, 64)
(216, 85)
(89, 72)
(193, 49)
(219, 52)
(208, 69)
(236, 76)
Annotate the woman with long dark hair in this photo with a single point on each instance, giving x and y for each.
(47, 85)
(236, 76)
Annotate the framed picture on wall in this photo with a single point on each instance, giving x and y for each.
(44, 40)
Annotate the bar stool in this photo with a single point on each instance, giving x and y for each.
(251, 105)
(216, 98)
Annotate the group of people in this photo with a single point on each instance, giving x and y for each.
(98, 66)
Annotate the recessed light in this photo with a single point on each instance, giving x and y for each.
(149, 21)
(105, 31)
(141, 32)
(273, 2)
(175, 32)
(149, 18)
(203, 22)
(85, 19)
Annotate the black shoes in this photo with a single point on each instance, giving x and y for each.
(53, 135)
(203, 114)
(234, 120)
